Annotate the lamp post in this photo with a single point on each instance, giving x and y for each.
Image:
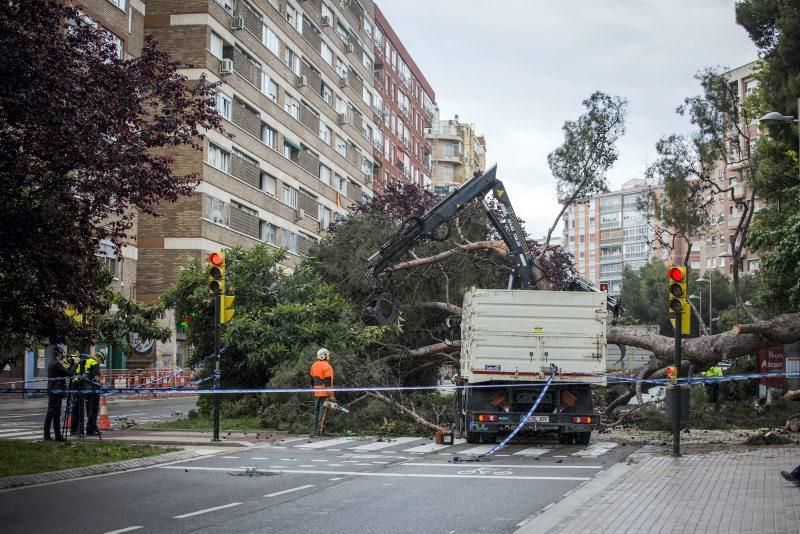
(700, 312)
(703, 281)
(774, 118)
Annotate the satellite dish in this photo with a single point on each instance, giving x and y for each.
(216, 216)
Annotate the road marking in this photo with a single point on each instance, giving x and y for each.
(596, 449)
(288, 459)
(120, 531)
(533, 451)
(383, 444)
(18, 433)
(381, 474)
(259, 458)
(524, 466)
(363, 464)
(319, 460)
(306, 465)
(336, 465)
(430, 447)
(337, 478)
(230, 457)
(327, 443)
(214, 509)
(289, 490)
(21, 438)
(380, 463)
(293, 440)
(480, 449)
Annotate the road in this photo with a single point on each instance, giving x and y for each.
(330, 484)
(24, 419)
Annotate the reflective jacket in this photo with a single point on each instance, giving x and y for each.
(712, 371)
(321, 377)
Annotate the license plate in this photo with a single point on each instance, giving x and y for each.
(541, 418)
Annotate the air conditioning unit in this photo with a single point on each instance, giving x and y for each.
(226, 66)
(326, 21)
(348, 47)
(299, 214)
(342, 118)
(343, 81)
(302, 81)
(237, 23)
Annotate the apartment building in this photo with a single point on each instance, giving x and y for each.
(608, 233)
(404, 104)
(458, 152)
(714, 244)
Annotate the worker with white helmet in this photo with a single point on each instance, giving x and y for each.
(321, 378)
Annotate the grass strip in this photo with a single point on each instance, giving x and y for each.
(22, 457)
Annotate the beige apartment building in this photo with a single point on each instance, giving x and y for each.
(457, 152)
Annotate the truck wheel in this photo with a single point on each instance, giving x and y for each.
(565, 438)
(582, 438)
(489, 438)
(473, 437)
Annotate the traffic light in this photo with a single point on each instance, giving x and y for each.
(672, 374)
(226, 310)
(604, 286)
(184, 322)
(678, 291)
(216, 272)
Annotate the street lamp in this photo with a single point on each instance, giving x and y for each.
(774, 118)
(708, 281)
(700, 298)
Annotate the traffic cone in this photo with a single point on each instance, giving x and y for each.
(103, 422)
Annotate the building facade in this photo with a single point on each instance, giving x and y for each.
(404, 104)
(458, 152)
(608, 233)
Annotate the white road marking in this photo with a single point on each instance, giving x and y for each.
(381, 474)
(480, 449)
(214, 509)
(259, 458)
(532, 451)
(319, 460)
(383, 444)
(336, 465)
(380, 463)
(596, 449)
(23, 433)
(363, 464)
(289, 490)
(336, 478)
(22, 438)
(430, 447)
(461, 465)
(120, 531)
(351, 461)
(230, 457)
(306, 465)
(10, 430)
(327, 443)
(288, 459)
(559, 456)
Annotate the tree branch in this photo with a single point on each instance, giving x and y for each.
(497, 246)
(406, 411)
(442, 306)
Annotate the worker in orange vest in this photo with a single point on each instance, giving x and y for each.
(321, 378)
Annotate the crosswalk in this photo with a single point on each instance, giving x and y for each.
(20, 427)
(415, 445)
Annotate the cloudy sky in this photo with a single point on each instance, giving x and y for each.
(519, 72)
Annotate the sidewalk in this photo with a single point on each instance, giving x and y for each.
(730, 491)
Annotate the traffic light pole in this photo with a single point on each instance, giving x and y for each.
(676, 392)
(217, 384)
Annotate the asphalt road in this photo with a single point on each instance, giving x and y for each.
(24, 419)
(328, 485)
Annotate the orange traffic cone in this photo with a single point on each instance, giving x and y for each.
(103, 422)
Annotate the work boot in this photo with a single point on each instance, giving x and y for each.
(788, 476)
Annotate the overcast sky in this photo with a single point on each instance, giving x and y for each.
(519, 71)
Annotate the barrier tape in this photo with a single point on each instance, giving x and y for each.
(451, 387)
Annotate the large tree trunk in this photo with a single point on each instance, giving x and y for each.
(406, 411)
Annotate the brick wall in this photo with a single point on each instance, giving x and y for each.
(308, 203)
(244, 222)
(115, 20)
(245, 170)
(246, 118)
(310, 162)
(308, 118)
(246, 68)
(184, 43)
(158, 269)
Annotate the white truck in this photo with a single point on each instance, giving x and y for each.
(510, 339)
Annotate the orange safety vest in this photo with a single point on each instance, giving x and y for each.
(322, 377)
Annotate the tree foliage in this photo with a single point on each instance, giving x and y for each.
(85, 138)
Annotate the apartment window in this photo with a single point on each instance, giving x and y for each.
(218, 158)
(223, 105)
(292, 61)
(268, 135)
(341, 106)
(119, 3)
(366, 130)
(366, 60)
(327, 13)
(324, 132)
(366, 165)
(292, 107)
(324, 216)
(270, 40)
(294, 18)
(108, 253)
(290, 196)
(341, 146)
(326, 53)
(366, 95)
(326, 94)
(341, 68)
(289, 240)
(325, 175)
(217, 44)
(342, 32)
(447, 173)
(227, 5)
(268, 87)
(268, 184)
(340, 184)
(367, 27)
(291, 151)
(268, 232)
(245, 209)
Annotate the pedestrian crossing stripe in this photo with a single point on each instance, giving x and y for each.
(378, 445)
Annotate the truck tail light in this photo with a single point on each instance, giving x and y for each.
(584, 420)
(485, 418)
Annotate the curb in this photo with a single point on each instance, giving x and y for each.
(18, 481)
(167, 443)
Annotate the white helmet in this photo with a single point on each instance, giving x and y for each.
(323, 354)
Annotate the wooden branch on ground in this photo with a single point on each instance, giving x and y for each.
(626, 414)
(406, 411)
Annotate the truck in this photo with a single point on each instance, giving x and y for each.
(512, 339)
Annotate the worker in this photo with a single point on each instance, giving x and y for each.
(57, 371)
(712, 388)
(321, 378)
(92, 395)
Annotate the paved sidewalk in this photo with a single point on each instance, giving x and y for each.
(731, 491)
